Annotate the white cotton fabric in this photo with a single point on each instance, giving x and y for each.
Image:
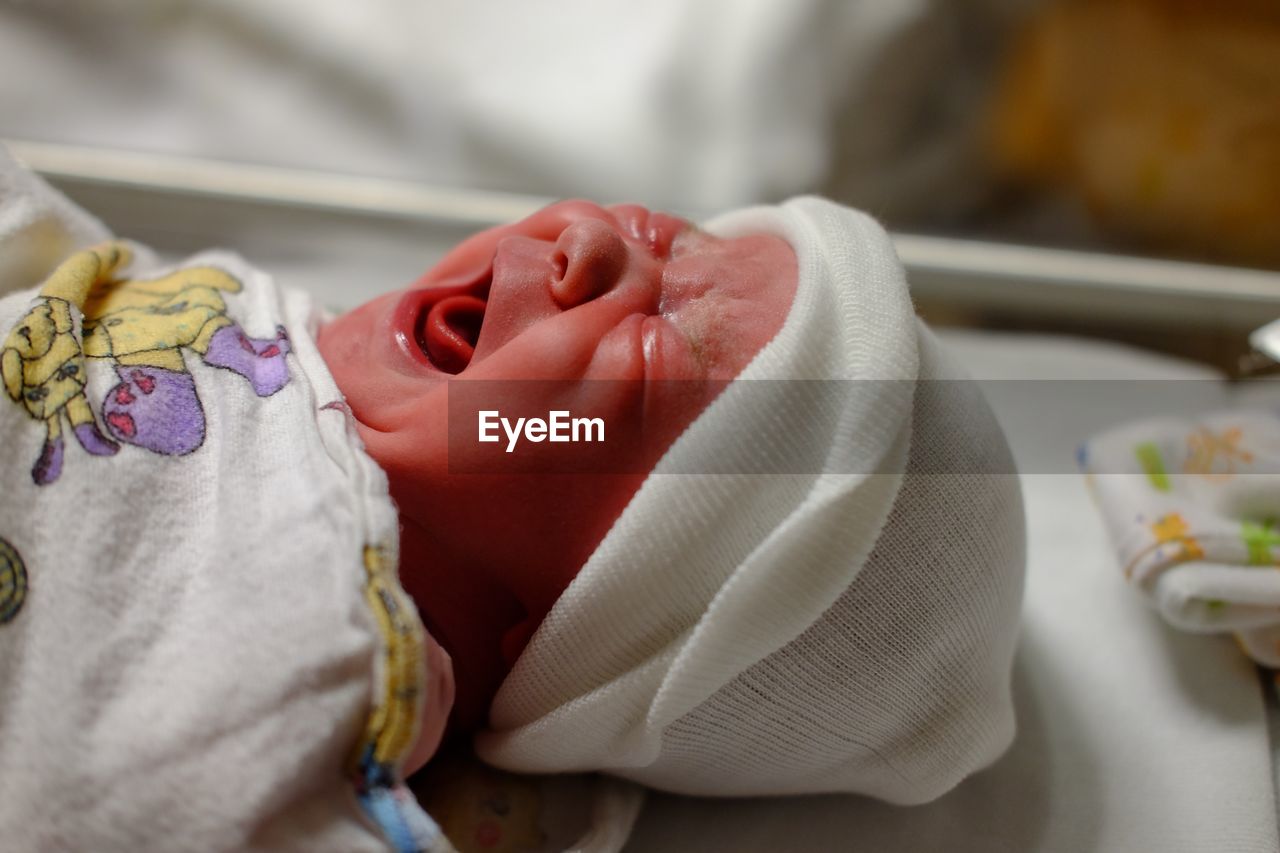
(847, 625)
(1192, 505)
(193, 661)
(39, 228)
(1132, 736)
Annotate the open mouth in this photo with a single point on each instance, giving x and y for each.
(447, 331)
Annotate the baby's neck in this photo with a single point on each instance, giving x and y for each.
(468, 613)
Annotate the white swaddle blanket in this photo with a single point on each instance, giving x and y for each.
(845, 620)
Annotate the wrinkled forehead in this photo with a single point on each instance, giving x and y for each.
(770, 220)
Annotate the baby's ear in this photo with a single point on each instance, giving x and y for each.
(516, 638)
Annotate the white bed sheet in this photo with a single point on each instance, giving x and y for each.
(1132, 737)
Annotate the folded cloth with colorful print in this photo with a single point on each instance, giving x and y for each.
(1193, 509)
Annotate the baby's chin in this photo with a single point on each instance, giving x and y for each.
(360, 350)
(344, 342)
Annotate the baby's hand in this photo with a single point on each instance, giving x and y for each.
(436, 707)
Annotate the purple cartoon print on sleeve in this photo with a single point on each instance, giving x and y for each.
(141, 326)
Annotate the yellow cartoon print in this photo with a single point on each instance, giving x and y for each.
(43, 366)
(392, 727)
(13, 582)
(141, 326)
(1215, 456)
(1172, 529)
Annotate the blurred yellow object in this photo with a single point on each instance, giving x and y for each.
(1162, 116)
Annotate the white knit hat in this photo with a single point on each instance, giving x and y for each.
(844, 621)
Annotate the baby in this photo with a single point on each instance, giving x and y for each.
(630, 317)
(748, 587)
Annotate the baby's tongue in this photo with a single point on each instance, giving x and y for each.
(451, 330)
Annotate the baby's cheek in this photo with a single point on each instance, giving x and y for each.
(714, 331)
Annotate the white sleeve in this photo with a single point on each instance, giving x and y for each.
(39, 227)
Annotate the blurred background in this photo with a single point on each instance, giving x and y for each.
(352, 142)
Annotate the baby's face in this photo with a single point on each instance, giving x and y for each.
(574, 293)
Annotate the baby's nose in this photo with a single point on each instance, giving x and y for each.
(591, 257)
